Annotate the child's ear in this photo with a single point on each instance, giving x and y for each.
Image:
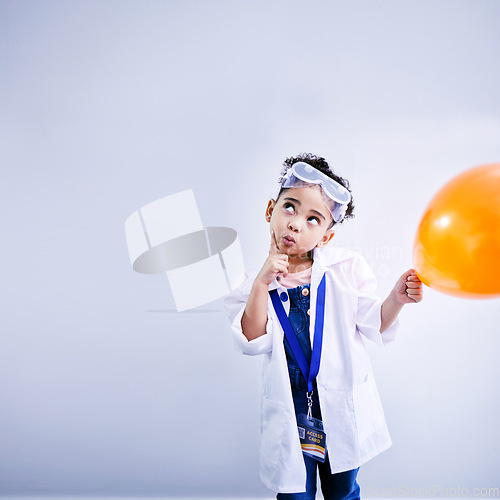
(269, 210)
(326, 238)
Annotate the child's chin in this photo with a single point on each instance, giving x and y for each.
(293, 253)
(287, 250)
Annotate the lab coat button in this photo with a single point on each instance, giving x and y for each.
(283, 296)
(305, 292)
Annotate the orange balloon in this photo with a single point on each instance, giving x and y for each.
(457, 246)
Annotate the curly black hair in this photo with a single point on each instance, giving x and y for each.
(321, 164)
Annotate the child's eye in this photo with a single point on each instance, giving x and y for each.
(314, 221)
(288, 207)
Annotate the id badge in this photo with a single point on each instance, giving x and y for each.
(312, 437)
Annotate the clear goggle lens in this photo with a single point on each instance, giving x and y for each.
(337, 196)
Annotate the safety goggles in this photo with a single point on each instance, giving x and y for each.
(336, 196)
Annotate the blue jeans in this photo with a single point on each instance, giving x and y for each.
(342, 485)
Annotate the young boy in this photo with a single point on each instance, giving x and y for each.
(306, 310)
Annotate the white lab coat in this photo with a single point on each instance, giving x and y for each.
(353, 417)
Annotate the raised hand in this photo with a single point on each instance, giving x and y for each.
(275, 265)
(408, 288)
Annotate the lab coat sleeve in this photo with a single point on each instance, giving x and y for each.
(369, 306)
(235, 303)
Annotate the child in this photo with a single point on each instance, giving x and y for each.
(306, 310)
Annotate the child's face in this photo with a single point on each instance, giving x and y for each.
(300, 220)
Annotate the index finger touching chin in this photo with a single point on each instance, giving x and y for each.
(274, 244)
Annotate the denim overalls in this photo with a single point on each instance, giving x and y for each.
(334, 486)
(299, 319)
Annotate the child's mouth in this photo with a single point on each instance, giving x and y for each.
(288, 241)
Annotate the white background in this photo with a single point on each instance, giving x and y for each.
(107, 106)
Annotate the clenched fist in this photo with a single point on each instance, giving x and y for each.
(408, 288)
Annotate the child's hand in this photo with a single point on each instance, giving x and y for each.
(408, 289)
(276, 264)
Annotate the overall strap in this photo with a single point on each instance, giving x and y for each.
(309, 372)
(290, 334)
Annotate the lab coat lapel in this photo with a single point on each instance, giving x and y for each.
(318, 269)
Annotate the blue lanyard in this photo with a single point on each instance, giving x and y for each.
(309, 372)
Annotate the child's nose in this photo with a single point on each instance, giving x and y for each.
(294, 225)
